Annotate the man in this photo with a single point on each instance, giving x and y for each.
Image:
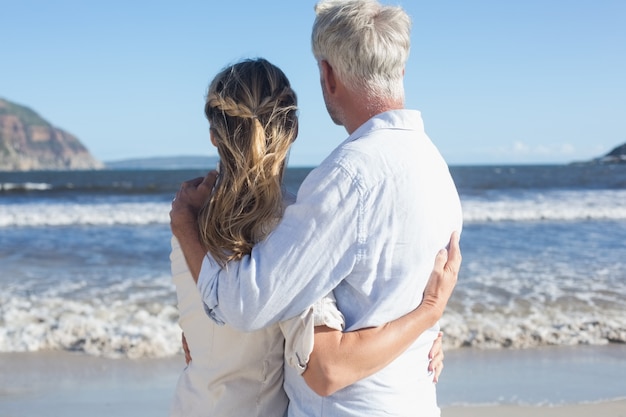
(367, 222)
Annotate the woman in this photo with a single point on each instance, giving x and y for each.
(252, 113)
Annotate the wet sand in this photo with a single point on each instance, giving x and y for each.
(602, 409)
(550, 382)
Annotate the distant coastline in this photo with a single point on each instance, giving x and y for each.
(165, 162)
(616, 156)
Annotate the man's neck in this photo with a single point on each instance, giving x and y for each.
(360, 114)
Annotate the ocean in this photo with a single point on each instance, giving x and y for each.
(84, 261)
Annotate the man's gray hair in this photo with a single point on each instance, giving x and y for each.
(366, 43)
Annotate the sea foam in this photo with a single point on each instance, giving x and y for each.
(567, 205)
(116, 329)
(140, 329)
(88, 214)
(518, 207)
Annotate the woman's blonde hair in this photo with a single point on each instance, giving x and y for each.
(252, 112)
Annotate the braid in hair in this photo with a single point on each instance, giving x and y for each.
(253, 116)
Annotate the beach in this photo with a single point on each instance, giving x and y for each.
(57, 383)
(544, 382)
(603, 409)
(536, 325)
(551, 382)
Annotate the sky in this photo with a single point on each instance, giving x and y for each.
(496, 81)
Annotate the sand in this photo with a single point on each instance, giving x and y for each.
(66, 384)
(603, 409)
(581, 381)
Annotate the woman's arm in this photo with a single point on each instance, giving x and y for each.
(339, 359)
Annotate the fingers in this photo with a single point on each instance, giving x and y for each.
(435, 366)
(184, 189)
(192, 196)
(186, 349)
(210, 179)
(438, 371)
(440, 260)
(193, 182)
(436, 348)
(454, 254)
(449, 258)
(207, 182)
(447, 264)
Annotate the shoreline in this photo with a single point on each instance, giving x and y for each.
(615, 408)
(544, 382)
(551, 376)
(69, 384)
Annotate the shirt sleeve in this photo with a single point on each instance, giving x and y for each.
(313, 248)
(299, 331)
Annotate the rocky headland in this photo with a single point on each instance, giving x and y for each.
(30, 143)
(616, 156)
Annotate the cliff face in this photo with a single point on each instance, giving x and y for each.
(28, 142)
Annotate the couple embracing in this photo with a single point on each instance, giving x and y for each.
(325, 303)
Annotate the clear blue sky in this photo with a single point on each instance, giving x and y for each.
(498, 82)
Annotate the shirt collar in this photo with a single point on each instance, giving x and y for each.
(393, 119)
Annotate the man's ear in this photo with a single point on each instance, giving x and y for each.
(328, 77)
